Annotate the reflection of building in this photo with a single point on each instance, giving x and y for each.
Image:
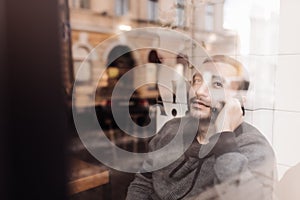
(97, 20)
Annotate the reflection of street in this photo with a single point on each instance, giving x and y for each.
(118, 181)
(84, 176)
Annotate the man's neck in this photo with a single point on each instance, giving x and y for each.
(205, 130)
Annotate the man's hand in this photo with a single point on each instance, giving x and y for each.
(230, 117)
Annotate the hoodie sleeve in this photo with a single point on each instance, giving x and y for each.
(245, 165)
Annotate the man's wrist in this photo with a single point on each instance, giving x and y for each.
(224, 128)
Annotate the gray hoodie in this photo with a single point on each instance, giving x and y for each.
(241, 165)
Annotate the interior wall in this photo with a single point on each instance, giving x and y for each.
(273, 62)
(287, 97)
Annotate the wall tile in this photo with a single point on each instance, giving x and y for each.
(248, 117)
(261, 73)
(263, 121)
(287, 95)
(286, 137)
(288, 27)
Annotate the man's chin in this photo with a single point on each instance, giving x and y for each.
(200, 115)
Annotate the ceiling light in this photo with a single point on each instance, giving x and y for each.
(125, 27)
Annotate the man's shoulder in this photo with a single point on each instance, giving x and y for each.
(248, 130)
(249, 138)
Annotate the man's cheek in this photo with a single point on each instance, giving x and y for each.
(231, 93)
(191, 93)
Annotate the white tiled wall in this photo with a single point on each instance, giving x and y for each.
(260, 98)
(289, 27)
(276, 78)
(287, 92)
(286, 134)
(261, 72)
(263, 120)
(286, 137)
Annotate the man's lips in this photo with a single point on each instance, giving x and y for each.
(198, 103)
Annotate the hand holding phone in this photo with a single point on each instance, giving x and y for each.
(229, 115)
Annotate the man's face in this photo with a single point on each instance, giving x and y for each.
(208, 86)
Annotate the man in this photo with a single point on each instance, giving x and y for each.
(228, 159)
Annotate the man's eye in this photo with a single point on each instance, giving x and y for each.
(197, 82)
(218, 84)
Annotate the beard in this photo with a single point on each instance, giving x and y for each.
(203, 114)
(205, 122)
(202, 118)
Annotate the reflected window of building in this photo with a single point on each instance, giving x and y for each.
(83, 4)
(82, 67)
(121, 7)
(152, 10)
(180, 13)
(209, 17)
(120, 60)
(83, 59)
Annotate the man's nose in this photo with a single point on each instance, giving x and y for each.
(202, 90)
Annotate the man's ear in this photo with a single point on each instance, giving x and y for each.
(241, 97)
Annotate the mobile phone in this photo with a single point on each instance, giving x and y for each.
(216, 110)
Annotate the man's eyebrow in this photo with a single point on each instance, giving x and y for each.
(218, 77)
(197, 76)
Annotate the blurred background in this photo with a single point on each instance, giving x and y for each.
(46, 46)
